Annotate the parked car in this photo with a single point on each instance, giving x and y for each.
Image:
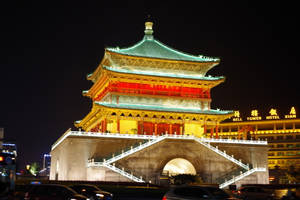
(92, 192)
(254, 192)
(196, 193)
(52, 192)
(20, 191)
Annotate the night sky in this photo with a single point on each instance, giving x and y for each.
(47, 49)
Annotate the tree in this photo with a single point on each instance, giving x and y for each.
(293, 174)
(186, 179)
(34, 168)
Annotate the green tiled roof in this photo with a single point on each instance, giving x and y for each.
(150, 47)
(163, 74)
(164, 108)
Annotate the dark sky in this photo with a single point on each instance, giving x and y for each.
(48, 48)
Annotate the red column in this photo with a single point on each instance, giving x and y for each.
(180, 127)
(104, 125)
(155, 128)
(118, 125)
(217, 131)
(170, 129)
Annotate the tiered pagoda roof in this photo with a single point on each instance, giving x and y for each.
(149, 56)
(164, 108)
(153, 63)
(152, 48)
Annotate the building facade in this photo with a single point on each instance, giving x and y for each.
(151, 113)
(281, 132)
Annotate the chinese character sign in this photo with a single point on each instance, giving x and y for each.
(254, 115)
(236, 116)
(292, 114)
(273, 114)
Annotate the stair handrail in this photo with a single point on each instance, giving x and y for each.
(231, 158)
(124, 173)
(241, 176)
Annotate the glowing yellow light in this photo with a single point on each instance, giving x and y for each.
(236, 113)
(254, 113)
(273, 114)
(273, 111)
(293, 111)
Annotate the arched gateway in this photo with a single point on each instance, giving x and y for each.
(179, 166)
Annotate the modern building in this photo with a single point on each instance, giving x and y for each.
(8, 156)
(45, 171)
(151, 115)
(281, 132)
(1, 137)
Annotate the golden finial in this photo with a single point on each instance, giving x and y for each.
(148, 26)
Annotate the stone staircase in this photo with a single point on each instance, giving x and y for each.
(229, 179)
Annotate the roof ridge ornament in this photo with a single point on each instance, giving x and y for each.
(148, 30)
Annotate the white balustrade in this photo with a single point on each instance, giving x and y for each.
(241, 176)
(124, 173)
(136, 136)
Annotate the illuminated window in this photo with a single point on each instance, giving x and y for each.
(280, 145)
(279, 137)
(270, 154)
(269, 138)
(280, 154)
(289, 137)
(290, 153)
(290, 145)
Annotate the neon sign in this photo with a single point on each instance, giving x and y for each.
(292, 114)
(273, 114)
(236, 116)
(254, 116)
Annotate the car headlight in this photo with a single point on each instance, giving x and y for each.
(100, 195)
